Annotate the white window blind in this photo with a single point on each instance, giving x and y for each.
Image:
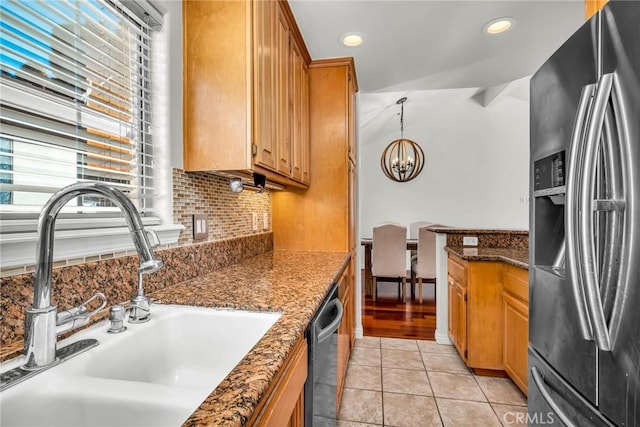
(75, 104)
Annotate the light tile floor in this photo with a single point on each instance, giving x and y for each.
(409, 383)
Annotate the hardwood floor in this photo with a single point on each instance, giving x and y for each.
(391, 318)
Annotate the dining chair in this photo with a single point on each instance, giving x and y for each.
(414, 226)
(413, 234)
(423, 267)
(389, 256)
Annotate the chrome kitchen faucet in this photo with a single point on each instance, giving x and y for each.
(42, 322)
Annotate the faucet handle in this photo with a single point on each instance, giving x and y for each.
(76, 317)
(153, 238)
(140, 309)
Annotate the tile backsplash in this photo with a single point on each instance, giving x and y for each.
(228, 214)
(496, 239)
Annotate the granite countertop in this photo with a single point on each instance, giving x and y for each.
(294, 283)
(515, 257)
(454, 230)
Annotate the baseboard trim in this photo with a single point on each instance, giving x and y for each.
(443, 338)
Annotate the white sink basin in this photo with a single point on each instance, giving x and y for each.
(153, 374)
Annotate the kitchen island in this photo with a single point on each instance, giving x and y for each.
(294, 283)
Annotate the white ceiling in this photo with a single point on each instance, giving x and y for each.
(437, 44)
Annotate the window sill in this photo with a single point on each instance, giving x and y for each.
(19, 250)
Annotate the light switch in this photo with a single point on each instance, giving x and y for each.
(265, 221)
(254, 221)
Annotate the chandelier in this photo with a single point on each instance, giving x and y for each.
(403, 159)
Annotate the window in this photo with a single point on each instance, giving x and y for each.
(75, 96)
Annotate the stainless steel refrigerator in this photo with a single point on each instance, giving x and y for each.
(584, 318)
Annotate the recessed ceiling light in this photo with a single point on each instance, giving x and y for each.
(352, 39)
(499, 25)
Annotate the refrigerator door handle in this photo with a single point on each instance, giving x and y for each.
(616, 259)
(585, 227)
(574, 168)
(542, 387)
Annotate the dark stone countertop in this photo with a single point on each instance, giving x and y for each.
(516, 257)
(456, 230)
(294, 283)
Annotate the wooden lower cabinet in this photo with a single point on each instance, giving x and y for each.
(458, 316)
(475, 315)
(283, 404)
(345, 331)
(489, 316)
(515, 311)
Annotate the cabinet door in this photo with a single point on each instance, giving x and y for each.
(284, 405)
(351, 105)
(352, 192)
(458, 316)
(453, 305)
(304, 125)
(297, 69)
(344, 338)
(264, 96)
(516, 339)
(461, 321)
(352, 311)
(453, 310)
(284, 75)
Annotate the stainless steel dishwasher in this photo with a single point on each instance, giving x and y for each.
(320, 389)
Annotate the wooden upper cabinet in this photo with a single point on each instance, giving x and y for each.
(299, 116)
(305, 140)
(217, 93)
(296, 62)
(265, 75)
(351, 101)
(284, 77)
(320, 217)
(592, 6)
(238, 101)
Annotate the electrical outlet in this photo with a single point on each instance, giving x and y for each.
(254, 221)
(200, 231)
(469, 241)
(265, 221)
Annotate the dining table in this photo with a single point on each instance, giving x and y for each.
(367, 242)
